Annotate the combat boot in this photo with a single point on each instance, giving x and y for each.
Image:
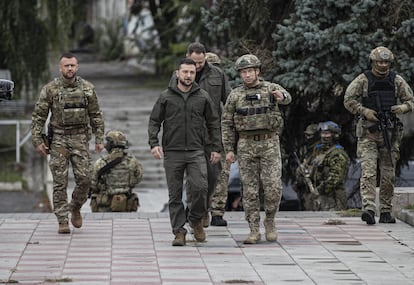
(199, 233)
(218, 221)
(368, 216)
(64, 228)
(179, 239)
(386, 218)
(254, 235)
(270, 229)
(206, 220)
(76, 218)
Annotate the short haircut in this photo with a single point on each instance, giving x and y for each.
(186, 60)
(67, 55)
(196, 47)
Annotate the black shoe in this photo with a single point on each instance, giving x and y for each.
(369, 217)
(386, 218)
(218, 221)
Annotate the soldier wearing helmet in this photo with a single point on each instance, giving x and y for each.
(378, 94)
(252, 110)
(114, 177)
(329, 169)
(213, 58)
(305, 156)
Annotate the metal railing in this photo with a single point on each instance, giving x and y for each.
(19, 142)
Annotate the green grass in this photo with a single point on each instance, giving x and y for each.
(9, 171)
(409, 207)
(350, 213)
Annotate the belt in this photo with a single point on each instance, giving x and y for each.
(259, 137)
(76, 131)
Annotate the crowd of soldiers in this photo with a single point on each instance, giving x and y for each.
(205, 127)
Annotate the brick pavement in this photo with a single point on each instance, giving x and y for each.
(135, 248)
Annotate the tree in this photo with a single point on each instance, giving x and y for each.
(315, 48)
(29, 30)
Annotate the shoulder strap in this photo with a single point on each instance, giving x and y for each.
(107, 167)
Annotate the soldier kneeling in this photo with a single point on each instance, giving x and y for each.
(114, 177)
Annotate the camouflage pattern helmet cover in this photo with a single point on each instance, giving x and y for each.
(330, 126)
(381, 54)
(311, 129)
(246, 61)
(213, 58)
(115, 139)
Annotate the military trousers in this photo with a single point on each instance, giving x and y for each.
(260, 164)
(219, 198)
(194, 164)
(65, 150)
(371, 150)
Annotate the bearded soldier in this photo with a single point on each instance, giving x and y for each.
(114, 177)
(377, 96)
(252, 111)
(74, 108)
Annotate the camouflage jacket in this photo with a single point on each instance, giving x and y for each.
(237, 102)
(358, 88)
(121, 178)
(329, 168)
(54, 98)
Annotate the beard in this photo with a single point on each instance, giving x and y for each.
(187, 82)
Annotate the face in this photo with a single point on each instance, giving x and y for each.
(199, 59)
(186, 74)
(381, 67)
(326, 136)
(250, 76)
(68, 67)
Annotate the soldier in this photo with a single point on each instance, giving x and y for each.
(377, 96)
(74, 108)
(213, 58)
(300, 185)
(212, 79)
(252, 110)
(185, 111)
(114, 177)
(329, 170)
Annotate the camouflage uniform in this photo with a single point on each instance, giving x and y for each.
(112, 189)
(74, 112)
(328, 173)
(371, 146)
(254, 114)
(306, 198)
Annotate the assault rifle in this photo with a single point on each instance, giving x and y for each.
(305, 175)
(384, 122)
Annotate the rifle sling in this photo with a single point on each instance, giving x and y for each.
(109, 166)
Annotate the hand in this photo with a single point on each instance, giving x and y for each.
(279, 96)
(399, 109)
(230, 157)
(42, 149)
(214, 157)
(370, 114)
(156, 152)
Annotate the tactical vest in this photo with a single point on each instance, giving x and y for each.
(259, 111)
(319, 170)
(384, 88)
(117, 179)
(72, 103)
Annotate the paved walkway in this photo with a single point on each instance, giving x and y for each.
(135, 248)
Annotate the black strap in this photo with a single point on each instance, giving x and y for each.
(109, 165)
